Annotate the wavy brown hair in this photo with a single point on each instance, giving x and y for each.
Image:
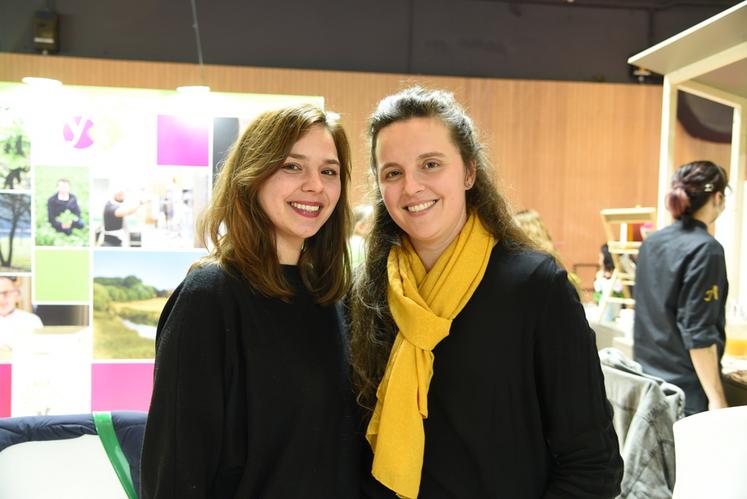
(241, 233)
(372, 327)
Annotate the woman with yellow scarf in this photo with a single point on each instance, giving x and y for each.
(471, 354)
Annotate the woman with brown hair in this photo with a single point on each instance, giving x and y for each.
(471, 353)
(534, 227)
(251, 395)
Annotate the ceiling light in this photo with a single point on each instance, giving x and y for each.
(202, 88)
(35, 81)
(193, 89)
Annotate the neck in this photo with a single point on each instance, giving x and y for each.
(63, 197)
(288, 255)
(701, 218)
(707, 214)
(9, 312)
(429, 252)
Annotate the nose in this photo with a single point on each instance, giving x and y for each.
(412, 185)
(313, 181)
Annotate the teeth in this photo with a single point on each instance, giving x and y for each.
(305, 207)
(420, 207)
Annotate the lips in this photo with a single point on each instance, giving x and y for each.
(306, 208)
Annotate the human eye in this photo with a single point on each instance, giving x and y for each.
(430, 164)
(331, 171)
(390, 174)
(291, 166)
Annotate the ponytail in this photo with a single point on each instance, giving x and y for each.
(693, 185)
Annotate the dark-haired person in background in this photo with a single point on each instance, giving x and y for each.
(681, 290)
(252, 395)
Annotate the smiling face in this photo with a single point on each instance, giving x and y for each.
(63, 190)
(8, 296)
(301, 195)
(423, 180)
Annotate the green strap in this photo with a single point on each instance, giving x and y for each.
(105, 429)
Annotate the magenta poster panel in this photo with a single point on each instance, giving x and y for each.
(121, 386)
(183, 141)
(5, 390)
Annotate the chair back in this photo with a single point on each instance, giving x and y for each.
(711, 455)
(63, 457)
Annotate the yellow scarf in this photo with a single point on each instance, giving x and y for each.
(423, 306)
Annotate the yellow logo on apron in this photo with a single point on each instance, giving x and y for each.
(712, 294)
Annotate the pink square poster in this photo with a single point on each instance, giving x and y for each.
(5, 383)
(121, 386)
(183, 141)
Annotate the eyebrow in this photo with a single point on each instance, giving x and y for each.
(420, 156)
(329, 161)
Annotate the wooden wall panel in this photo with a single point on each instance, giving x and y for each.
(566, 149)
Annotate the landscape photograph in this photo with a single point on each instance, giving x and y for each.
(130, 289)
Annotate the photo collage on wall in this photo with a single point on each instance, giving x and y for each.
(100, 192)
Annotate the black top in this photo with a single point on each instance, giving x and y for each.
(112, 223)
(111, 220)
(251, 396)
(517, 406)
(680, 295)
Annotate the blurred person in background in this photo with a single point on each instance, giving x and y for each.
(361, 225)
(681, 290)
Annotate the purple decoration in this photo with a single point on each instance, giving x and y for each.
(182, 141)
(76, 131)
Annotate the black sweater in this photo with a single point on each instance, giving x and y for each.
(251, 396)
(517, 407)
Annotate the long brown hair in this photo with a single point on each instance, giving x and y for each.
(372, 328)
(241, 233)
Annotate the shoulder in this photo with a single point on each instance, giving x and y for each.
(20, 320)
(711, 246)
(203, 292)
(28, 318)
(217, 283)
(679, 239)
(207, 280)
(523, 266)
(700, 243)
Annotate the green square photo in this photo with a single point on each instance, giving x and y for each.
(62, 276)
